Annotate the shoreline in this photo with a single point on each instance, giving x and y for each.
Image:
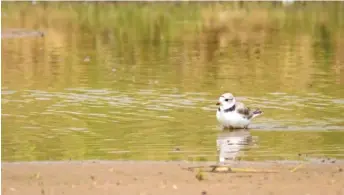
(236, 162)
(170, 177)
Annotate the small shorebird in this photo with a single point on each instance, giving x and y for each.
(234, 115)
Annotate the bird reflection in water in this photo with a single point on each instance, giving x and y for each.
(231, 143)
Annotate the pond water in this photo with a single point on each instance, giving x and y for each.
(82, 91)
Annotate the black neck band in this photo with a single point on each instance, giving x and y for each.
(228, 109)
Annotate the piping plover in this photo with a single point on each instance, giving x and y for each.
(234, 115)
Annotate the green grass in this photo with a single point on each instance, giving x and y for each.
(158, 22)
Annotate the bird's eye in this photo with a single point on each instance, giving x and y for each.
(226, 100)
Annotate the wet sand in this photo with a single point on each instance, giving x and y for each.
(144, 178)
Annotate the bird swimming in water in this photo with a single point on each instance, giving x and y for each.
(234, 115)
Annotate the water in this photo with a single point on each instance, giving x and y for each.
(80, 94)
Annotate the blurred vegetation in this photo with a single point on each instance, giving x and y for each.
(157, 22)
(142, 31)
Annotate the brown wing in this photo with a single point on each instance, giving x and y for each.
(242, 109)
(247, 112)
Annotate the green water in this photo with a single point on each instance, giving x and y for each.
(140, 81)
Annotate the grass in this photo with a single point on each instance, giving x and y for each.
(168, 21)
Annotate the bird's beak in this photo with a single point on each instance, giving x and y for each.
(218, 103)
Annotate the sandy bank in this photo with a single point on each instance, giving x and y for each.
(108, 177)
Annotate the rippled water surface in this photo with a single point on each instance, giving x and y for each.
(82, 91)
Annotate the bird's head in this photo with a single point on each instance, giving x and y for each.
(226, 100)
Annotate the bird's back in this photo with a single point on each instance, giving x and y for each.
(247, 112)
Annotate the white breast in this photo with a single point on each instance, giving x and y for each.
(232, 119)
